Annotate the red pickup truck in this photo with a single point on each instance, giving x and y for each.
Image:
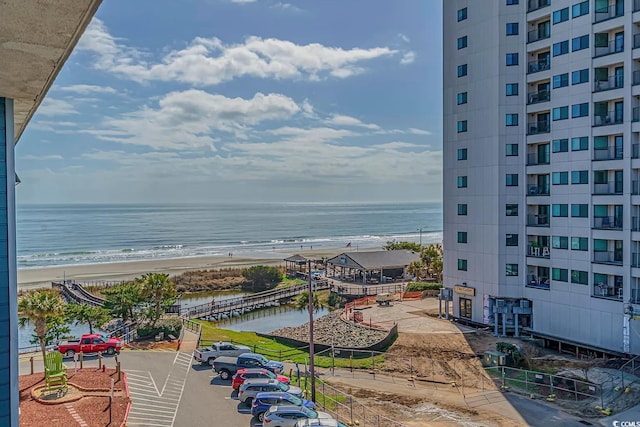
(90, 343)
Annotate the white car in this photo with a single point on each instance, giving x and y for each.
(209, 354)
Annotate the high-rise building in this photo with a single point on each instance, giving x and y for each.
(542, 168)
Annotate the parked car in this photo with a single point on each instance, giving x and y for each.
(289, 415)
(317, 422)
(251, 388)
(209, 354)
(251, 373)
(264, 400)
(89, 343)
(227, 366)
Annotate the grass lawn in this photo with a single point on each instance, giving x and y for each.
(329, 399)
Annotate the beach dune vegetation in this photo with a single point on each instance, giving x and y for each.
(397, 246)
(261, 278)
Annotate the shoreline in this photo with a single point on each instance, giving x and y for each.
(33, 278)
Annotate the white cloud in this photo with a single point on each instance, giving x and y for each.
(87, 89)
(285, 6)
(408, 58)
(208, 61)
(417, 131)
(404, 38)
(44, 157)
(341, 120)
(56, 107)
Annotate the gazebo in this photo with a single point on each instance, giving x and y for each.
(296, 266)
(371, 267)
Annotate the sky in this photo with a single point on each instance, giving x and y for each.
(243, 100)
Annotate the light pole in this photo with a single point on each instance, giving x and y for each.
(311, 346)
(420, 230)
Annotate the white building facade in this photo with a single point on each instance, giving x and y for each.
(542, 168)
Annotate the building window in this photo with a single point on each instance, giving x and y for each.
(560, 210)
(579, 177)
(579, 244)
(511, 120)
(462, 98)
(462, 182)
(561, 80)
(580, 43)
(462, 70)
(560, 242)
(511, 89)
(579, 277)
(512, 209)
(462, 42)
(462, 264)
(462, 126)
(560, 274)
(512, 270)
(560, 178)
(462, 14)
(462, 154)
(512, 180)
(512, 240)
(561, 48)
(462, 237)
(580, 9)
(512, 28)
(511, 150)
(560, 113)
(510, 2)
(580, 211)
(561, 15)
(512, 59)
(579, 110)
(560, 145)
(462, 209)
(580, 143)
(580, 76)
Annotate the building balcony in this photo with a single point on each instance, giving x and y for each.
(534, 159)
(612, 82)
(607, 188)
(636, 78)
(635, 259)
(604, 14)
(635, 151)
(636, 41)
(635, 296)
(611, 118)
(603, 290)
(607, 153)
(635, 116)
(635, 223)
(538, 252)
(537, 97)
(539, 127)
(635, 188)
(538, 190)
(536, 35)
(538, 284)
(613, 46)
(538, 220)
(533, 5)
(636, 5)
(537, 66)
(607, 223)
(607, 257)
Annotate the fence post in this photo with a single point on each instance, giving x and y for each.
(324, 397)
(81, 359)
(526, 381)
(502, 376)
(31, 363)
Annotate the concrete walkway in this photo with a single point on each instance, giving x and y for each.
(189, 342)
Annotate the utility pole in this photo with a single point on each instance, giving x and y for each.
(312, 368)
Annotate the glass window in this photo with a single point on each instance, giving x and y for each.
(462, 126)
(579, 244)
(579, 110)
(579, 211)
(560, 145)
(512, 209)
(560, 178)
(512, 89)
(462, 154)
(512, 28)
(561, 80)
(560, 274)
(561, 48)
(512, 240)
(462, 182)
(462, 98)
(462, 70)
(600, 211)
(600, 177)
(462, 264)
(580, 43)
(462, 42)
(580, 76)
(580, 143)
(510, 2)
(511, 150)
(561, 15)
(560, 210)
(462, 237)
(511, 120)
(462, 14)
(600, 245)
(512, 180)
(512, 59)
(580, 9)
(579, 277)
(512, 270)
(560, 113)
(462, 209)
(560, 242)
(579, 177)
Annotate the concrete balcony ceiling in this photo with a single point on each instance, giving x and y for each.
(36, 38)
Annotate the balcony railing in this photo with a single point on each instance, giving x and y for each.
(537, 4)
(538, 220)
(607, 257)
(611, 152)
(538, 284)
(611, 187)
(534, 159)
(610, 12)
(535, 35)
(538, 252)
(635, 151)
(539, 65)
(538, 190)
(635, 188)
(635, 223)
(612, 82)
(538, 127)
(635, 259)
(607, 223)
(603, 290)
(611, 118)
(537, 97)
(614, 46)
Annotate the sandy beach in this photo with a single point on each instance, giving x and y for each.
(42, 277)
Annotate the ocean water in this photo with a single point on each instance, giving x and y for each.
(55, 235)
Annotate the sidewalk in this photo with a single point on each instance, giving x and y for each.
(189, 341)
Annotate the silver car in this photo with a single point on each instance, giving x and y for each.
(289, 415)
(251, 387)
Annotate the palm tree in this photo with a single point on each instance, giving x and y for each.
(159, 290)
(38, 307)
(83, 313)
(302, 302)
(431, 256)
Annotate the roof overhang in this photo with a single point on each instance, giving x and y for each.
(36, 38)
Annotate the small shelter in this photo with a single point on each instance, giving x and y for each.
(296, 266)
(372, 267)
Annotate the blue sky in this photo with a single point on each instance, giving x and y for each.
(240, 100)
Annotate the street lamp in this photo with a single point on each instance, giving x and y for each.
(420, 230)
(311, 343)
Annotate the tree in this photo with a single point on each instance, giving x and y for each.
(302, 301)
(84, 313)
(123, 300)
(431, 257)
(40, 307)
(395, 246)
(57, 328)
(159, 292)
(416, 268)
(262, 277)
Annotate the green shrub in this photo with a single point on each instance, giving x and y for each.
(170, 326)
(423, 286)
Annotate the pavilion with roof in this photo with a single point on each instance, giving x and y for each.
(371, 267)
